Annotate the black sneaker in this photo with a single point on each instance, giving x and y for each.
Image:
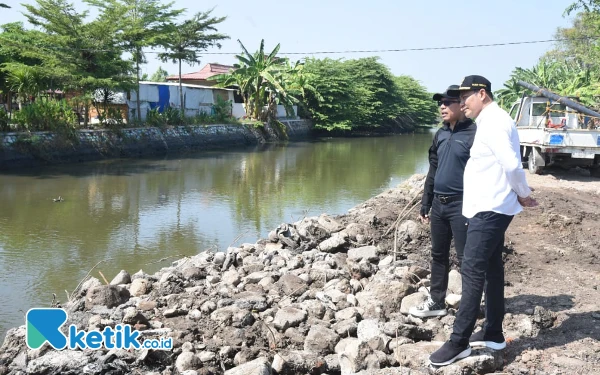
(480, 339)
(429, 308)
(449, 353)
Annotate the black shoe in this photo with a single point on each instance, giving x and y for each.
(449, 353)
(495, 342)
(429, 308)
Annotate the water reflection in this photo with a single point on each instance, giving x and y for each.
(136, 212)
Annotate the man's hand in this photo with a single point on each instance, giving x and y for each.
(424, 214)
(527, 201)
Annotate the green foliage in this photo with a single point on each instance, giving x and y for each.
(222, 110)
(364, 94)
(183, 42)
(47, 115)
(4, 121)
(111, 118)
(169, 117)
(262, 79)
(159, 76)
(136, 24)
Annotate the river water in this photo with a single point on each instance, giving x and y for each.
(145, 213)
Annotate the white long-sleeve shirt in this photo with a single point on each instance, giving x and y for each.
(494, 174)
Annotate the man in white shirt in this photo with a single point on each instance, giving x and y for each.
(495, 189)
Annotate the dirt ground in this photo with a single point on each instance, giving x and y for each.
(554, 262)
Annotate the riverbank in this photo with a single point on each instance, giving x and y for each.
(19, 150)
(325, 294)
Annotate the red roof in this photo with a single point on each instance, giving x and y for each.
(208, 71)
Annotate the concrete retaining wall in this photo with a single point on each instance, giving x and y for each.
(19, 149)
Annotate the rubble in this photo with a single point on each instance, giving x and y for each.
(321, 295)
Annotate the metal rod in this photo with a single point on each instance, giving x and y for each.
(558, 98)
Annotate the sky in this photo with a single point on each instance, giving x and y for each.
(349, 25)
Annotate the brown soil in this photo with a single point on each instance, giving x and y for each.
(554, 263)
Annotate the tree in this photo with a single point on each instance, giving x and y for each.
(160, 75)
(363, 93)
(183, 42)
(259, 77)
(139, 24)
(77, 55)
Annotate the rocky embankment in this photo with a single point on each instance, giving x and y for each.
(324, 295)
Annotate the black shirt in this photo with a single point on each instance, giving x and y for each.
(448, 156)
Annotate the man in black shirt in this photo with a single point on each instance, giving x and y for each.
(442, 195)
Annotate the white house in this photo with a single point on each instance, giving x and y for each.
(161, 95)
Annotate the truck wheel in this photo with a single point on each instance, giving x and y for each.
(531, 164)
(595, 172)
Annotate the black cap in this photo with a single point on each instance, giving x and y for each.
(450, 93)
(474, 83)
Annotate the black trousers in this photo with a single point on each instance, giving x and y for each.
(482, 264)
(446, 221)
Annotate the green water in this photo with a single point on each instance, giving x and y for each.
(137, 212)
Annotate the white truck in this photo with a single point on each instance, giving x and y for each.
(555, 130)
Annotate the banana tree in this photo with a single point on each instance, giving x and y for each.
(25, 81)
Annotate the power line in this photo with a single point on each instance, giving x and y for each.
(339, 52)
(416, 49)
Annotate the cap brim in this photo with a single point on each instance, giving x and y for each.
(438, 96)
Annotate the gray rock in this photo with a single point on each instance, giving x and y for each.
(231, 277)
(195, 315)
(292, 286)
(543, 318)
(255, 277)
(416, 355)
(132, 317)
(333, 363)
(122, 277)
(106, 295)
(292, 362)
(412, 300)
(330, 224)
(454, 282)
(346, 328)
(348, 313)
(321, 340)
(58, 362)
(352, 359)
(88, 284)
(224, 314)
(314, 308)
(219, 258)
(479, 362)
(139, 287)
(251, 301)
(368, 253)
(206, 356)
(259, 366)
(208, 307)
(453, 300)
(335, 241)
(409, 230)
(368, 329)
(381, 299)
(193, 273)
(170, 313)
(187, 361)
(289, 317)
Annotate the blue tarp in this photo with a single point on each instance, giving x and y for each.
(163, 97)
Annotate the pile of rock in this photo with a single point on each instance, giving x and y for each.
(321, 295)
